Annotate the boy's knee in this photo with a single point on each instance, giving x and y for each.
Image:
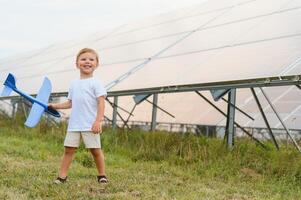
(96, 152)
(70, 150)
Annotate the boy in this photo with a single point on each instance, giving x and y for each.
(86, 97)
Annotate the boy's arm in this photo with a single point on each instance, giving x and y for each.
(65, 105)
(97, 125)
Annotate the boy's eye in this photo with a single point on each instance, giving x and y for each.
(85, 59)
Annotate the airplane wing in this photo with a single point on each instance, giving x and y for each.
(44, 91)
(34, 116)
(37, 109)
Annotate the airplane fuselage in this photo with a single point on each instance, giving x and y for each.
(33, 100)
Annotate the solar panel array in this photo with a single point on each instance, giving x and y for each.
(215, 41)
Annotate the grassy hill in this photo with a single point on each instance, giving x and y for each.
(143, 165)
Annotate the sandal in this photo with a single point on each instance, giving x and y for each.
(60, 180)
(102, 179)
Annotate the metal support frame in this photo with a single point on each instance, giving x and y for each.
(244, 130)
(231, 118)
(114, 120)
(117, 113)
(258, 82)
(24, 109)
(127, 120)
(130, 114)
(161, 108)
(240, 110)
(13, 103)
(264, 118)
(247, 83)
(281, 121)
(112, 104)
(154, 112)
(233, 84)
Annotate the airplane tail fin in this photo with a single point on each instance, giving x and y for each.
(9, 84)
(6, 91)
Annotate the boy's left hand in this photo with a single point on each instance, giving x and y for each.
(97, 127)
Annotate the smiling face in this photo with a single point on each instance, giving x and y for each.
(87, 63)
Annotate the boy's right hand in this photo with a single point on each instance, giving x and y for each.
(51, 105)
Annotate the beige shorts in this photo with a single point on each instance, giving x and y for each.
(90, 139)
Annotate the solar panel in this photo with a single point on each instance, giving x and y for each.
(214, 42)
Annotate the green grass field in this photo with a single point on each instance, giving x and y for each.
(142, 165)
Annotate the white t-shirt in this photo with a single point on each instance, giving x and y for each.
(83, 93)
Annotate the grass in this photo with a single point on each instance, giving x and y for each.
(143, 165)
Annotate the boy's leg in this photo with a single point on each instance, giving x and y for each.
(72, 141)
(92, 142)
(67, 159)
(99, 160)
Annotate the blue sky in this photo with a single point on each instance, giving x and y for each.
(32, 24)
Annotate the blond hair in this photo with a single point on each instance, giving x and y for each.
(87, 50)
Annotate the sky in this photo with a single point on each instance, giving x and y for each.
(32, 24)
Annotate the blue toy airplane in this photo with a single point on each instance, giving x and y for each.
(40, 103)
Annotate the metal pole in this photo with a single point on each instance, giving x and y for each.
(244, 130)
(279, 118)
(264, 118)
(182, 128)
(231, 117)
(24, 109)
(112, 104)
(114, 124)
(127, 120)
(13, 103)
(240, 110)
(154, 113)
(160, 108)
